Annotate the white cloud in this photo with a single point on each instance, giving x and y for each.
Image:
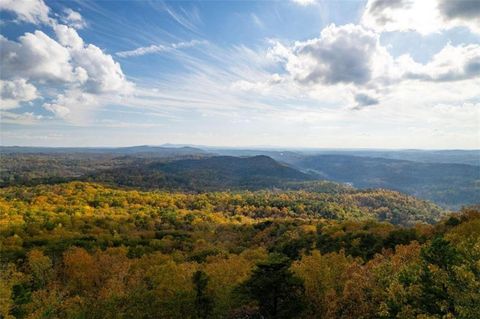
(36, 56)
(352, 55)
(452, 63)
(73, 76)
(72, 105)
(160, 48)
(304, 2)
(188, 19)
(261, 87)
(423, 16)
(104, 74)
(350, 61)
(154, 48)
(59, 110)
(37, 12)
(68, 37)
(74, 19)
(24, 118)
(257, 21)
(12, 93)
(32, 11)
(73, 73)
(343, 54)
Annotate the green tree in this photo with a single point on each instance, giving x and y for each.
(203, 302)
(439, 257)
(276, 290)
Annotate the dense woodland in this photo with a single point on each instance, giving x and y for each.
(448, 184)
(83, 250)
(451, 182)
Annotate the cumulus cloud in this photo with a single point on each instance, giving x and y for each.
(72, 104)
(352, 57)
(351, 54)
(344, 54)
(380, 5)
(464, 9)
(104, 75)
(452, 63)
(14, 92)
(37, 12)
(160, 48)
(401, 15)
(423, 16)
(32, 11)
(68, 37)
(36, 56)
(78, 72)
(74, 19)
(363, 100)
(461, 13)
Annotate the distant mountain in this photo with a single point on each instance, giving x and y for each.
(142, 149)
(447, 184)
(32, 165)
(287, 157)
(439, 176)
(212, 173)
(470, 157)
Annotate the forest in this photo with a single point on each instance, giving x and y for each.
(86, 250)
(450, 179)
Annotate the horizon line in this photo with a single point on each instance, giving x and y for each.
(246, 147)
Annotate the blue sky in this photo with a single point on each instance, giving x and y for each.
(303, 73)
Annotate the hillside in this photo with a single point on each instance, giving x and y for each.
(160, 151)
(470, 157)
(81, 250)
(213, 173)
(55, 165)
(447, 184)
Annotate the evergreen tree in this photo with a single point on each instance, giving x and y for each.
(278, 292)
(203, 302)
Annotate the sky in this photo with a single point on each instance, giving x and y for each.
(291, 73)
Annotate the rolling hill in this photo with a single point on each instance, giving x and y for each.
(449, 181)
(213, 173)
(447, 184)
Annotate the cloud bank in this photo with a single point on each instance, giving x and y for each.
(423, 16)
(65, 70)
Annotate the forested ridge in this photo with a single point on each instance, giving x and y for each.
(451, 182)
(83, 250)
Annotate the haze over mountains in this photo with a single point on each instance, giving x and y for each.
(450, 178)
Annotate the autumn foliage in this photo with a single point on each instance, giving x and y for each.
(81, 250)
